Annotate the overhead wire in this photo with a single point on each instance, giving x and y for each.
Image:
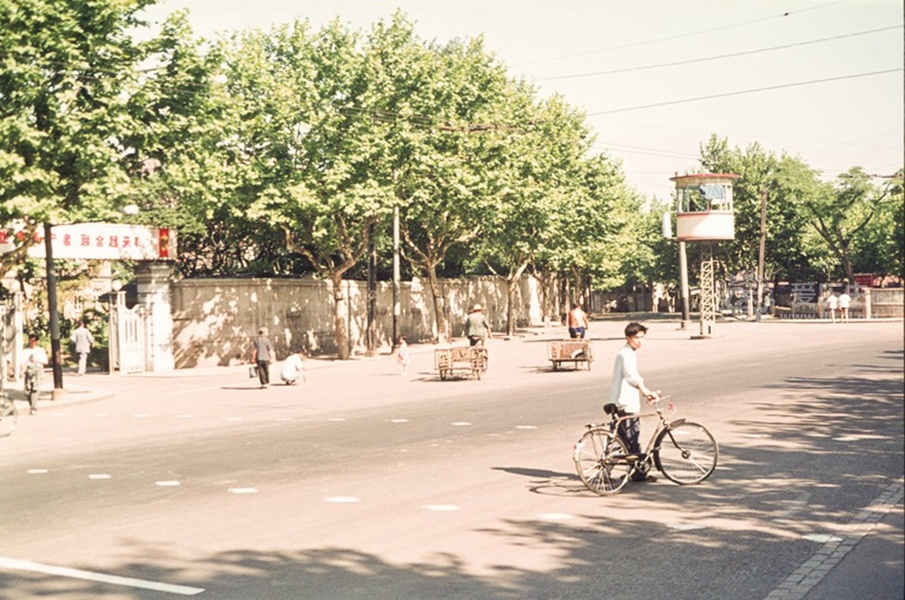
(679, 35)
(718, 57)
(743, 92)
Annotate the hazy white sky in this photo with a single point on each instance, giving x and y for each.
(817, 79)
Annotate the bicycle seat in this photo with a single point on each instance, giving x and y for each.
(610, 408)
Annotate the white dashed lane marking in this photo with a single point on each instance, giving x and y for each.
(33, 567)
(245, 490)
(100, 476)
(441, 507)
(342, 499)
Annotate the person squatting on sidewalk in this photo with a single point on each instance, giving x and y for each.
(293, 369)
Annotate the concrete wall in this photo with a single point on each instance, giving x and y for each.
(214, 320)
(887, 302)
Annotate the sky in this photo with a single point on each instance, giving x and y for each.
(821, 80)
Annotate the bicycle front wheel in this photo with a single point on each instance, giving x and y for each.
(686, 453)
(7, 417)
(600, 461)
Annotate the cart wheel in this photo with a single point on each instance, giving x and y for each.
(555, 366)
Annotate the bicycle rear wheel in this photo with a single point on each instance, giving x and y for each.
(600, 461)
(686, 453)
(8, 416)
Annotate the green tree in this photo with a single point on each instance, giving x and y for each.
(66, 72)
(789, 184)
(842, 214)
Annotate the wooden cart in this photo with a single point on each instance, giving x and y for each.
(573, 351)
(471, 360)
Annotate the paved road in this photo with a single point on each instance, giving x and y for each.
(364, 483)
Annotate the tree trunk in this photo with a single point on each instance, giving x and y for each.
(340, 317)
(439, 304)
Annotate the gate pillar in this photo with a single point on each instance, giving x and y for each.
(153, 282)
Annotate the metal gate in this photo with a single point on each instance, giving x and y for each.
(128, 326)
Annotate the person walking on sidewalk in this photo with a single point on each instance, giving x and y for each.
(845, 302)
(627, 388)
(83, 341)
(578, 322)
(402, 355)
(833, 303)
(34, 359)
(477, 329)
(261, 353)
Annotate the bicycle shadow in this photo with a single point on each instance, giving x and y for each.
(549, 483)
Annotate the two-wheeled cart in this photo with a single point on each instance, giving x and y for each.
(470, 360)
(574, 351)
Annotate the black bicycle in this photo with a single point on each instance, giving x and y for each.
(684, 452)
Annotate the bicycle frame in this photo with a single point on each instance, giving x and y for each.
(662, 424)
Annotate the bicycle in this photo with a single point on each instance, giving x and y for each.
(8, 415)
(686, 453)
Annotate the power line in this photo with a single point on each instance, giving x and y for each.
(742, 92)
(677, 36)
(718, 57)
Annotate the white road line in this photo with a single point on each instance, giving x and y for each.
(342, 499)
(26, 565)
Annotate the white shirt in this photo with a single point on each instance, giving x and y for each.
(626, 380)
(845, 300)
(292, 368)
(832, 301)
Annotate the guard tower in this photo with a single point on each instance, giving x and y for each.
(704, 215)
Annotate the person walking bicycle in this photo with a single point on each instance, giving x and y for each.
(627, 388)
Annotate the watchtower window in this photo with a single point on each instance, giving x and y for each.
(705, 197)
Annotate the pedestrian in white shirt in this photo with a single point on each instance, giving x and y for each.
(627, 388)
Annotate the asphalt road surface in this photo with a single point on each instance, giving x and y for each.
(364, 483)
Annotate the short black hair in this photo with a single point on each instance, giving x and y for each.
(634, 328)
(32, 336)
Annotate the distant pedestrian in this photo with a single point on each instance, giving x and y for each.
(845, 302)
(477, 329)
(402, 354)
(34, 359)
(83, 341)
(832, 303)
(261, 353)
(578, 322)
(293, 368)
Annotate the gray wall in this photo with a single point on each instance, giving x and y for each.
(214, 320)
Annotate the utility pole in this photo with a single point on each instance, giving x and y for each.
(56, 354)
(396, 278)
(372, 293)
(760, 252)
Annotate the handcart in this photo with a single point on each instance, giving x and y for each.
(470, 360)
(574, 351)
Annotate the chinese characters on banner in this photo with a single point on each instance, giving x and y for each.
(107, 241)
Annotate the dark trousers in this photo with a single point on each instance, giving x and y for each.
(264, 371)
(630, 433)
(576, 332)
